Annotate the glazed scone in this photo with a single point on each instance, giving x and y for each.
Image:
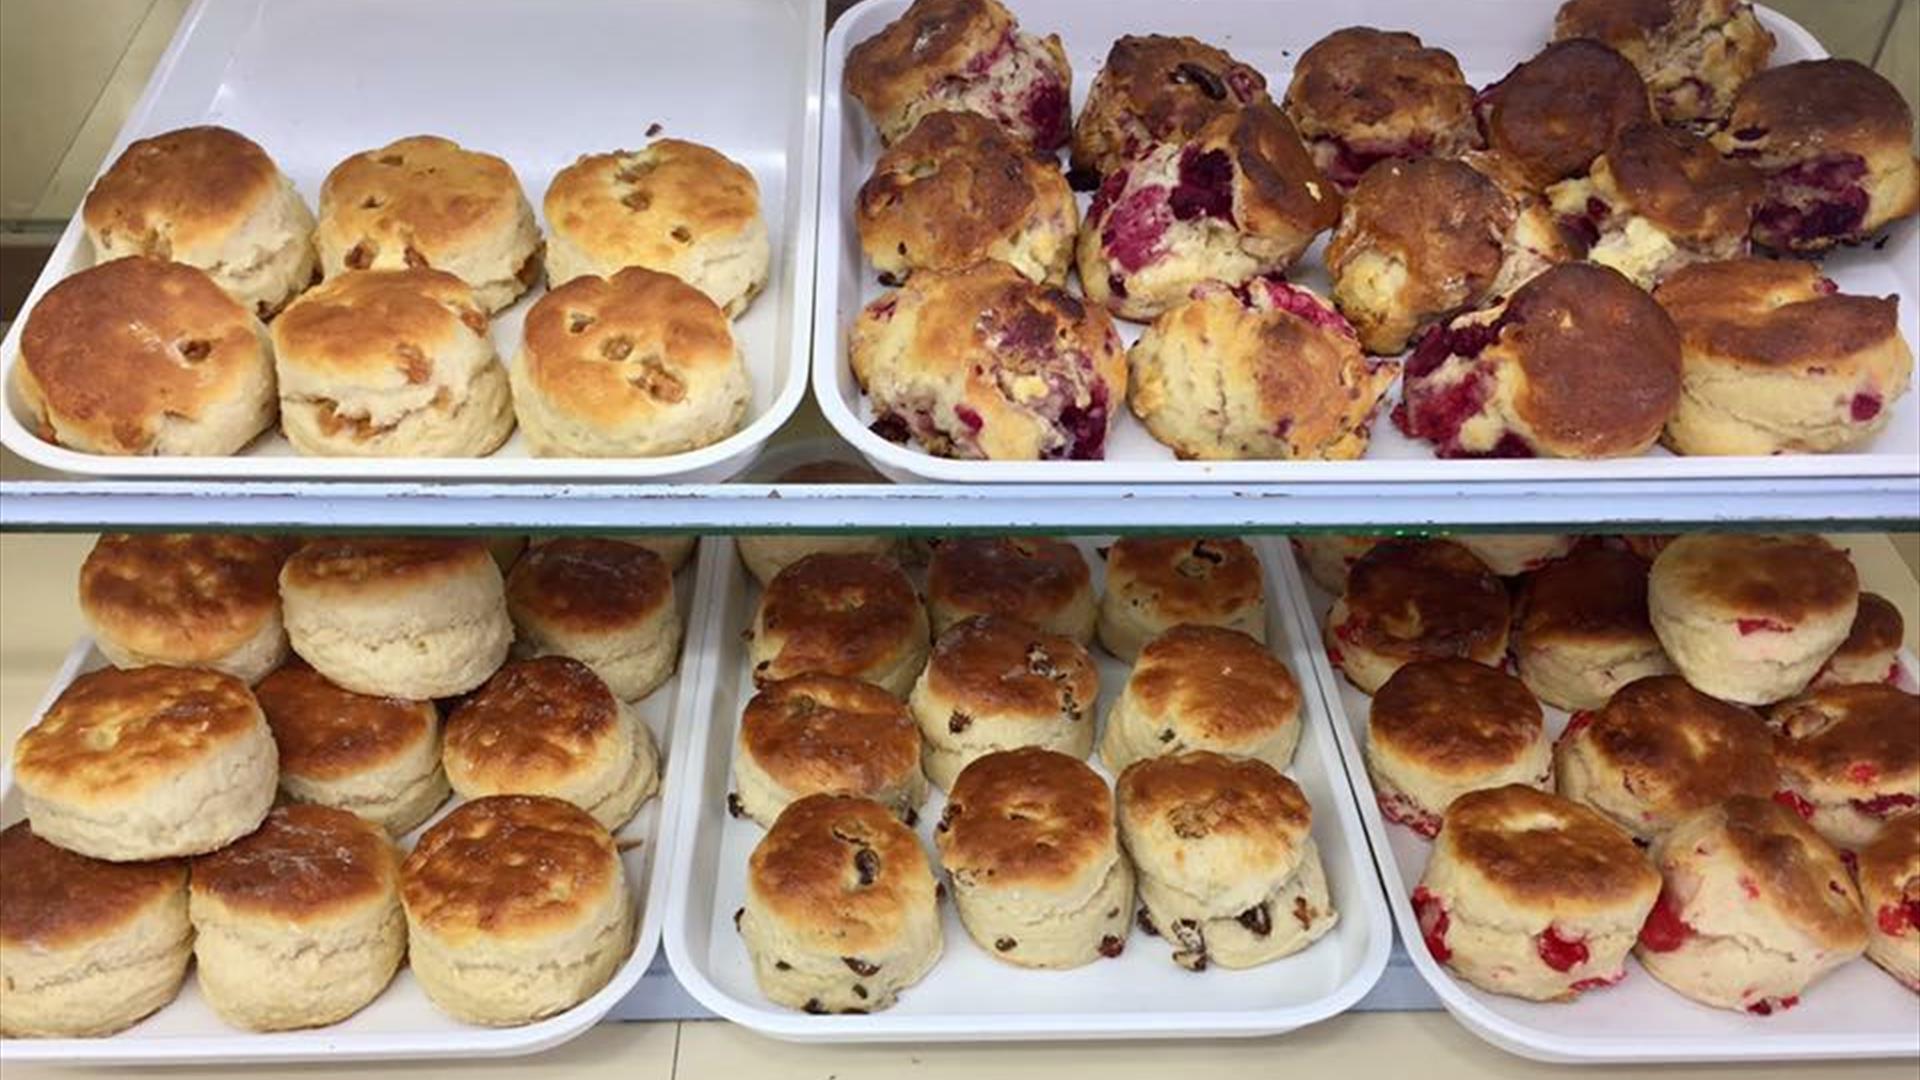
(151, 763)
(1532, 896)
(1581, 629)
(425, 201)
(1329, 556)
(766, 555)
(1889, 873)
(517, 908)
(1038, 580)
(1513, 554)
(608, 604)
(1660, 752)
(818, 734)
(1029, 840)
(551, 727)
(1659, 199)
(850, 615)
(390, 363)
(1578, 363)
(212, 198)
(1849, 758)
(139, 357)
(640, 364)
(1871, 652)
(1204, 688)
(842, 912)
(1157, 583)
(1239, 199)
(1774, 359)
(1156, 89)
(407, 616)
(297, 924)
(963, 56)
(1749, 617)
(1265, 370)
(983, 363)
(1361, 96)
(1555, 113)
(1694, 54)
(995, 683)
(959, 189)
(378, 757)
(87, 947)
(1755, 908)
(1439, 729)
(1410, 600)
(1831, 137)
(1227, 868)
(207, 600)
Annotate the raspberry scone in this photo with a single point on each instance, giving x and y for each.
(1871, 652)
(1889, 872)
(1439, 729)
(1849, 758)
(1581, 629)
(1555, 113)
(1361, 96)
(1694, 54)
(1328, 556)
(1156, 89)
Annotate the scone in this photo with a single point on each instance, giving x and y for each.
(842, 912)
(983, 363)
(87, 948)
(297, 924)
(426, 201)
(378, 757)
(1660, 752)
(405, 616)
(1750, 617)
(550, 727)
(1036, 579)
(765, 555)
(1532, 896)
(1871, 652)
(959, 189)
(1694, 54)
(1578, 363)
(151, 763)
(1889, 873)
(823, 734)
(1659, 199)
(210, 198)
(1849, 758)
(1831, 137)
(640, 364)
(1553, 114)
(1439, 729)
(1513, 554)
(1581, 629)
(207, 600)
(677, 207)
(1775, 360)
(674, 548)
(1029, 841)
(995, 683)
(1204, 688)
(1157, 583)
(1238, 199)
(1227, 867)
(1265, 370)
(608, 604)
(1755, 908)
(1410, 600)
(1155, 89)
(1328, 557)
(517, 908)
(850, 615)
(139, 357)
(963, 56)
(1361, 96)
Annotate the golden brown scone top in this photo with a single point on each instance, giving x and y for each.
(1170, 86)
(1280, 189)
(1613, 22)
(1191, 579)
(304, 864)
(202, 594)
(1772, 313)
(1456, 717)
(1358, 78)
(1028, 816)
(1859, 737)
(325, 732)
(651, 203)
(1795, 870)
(1198, 795)
(1538, 849)
(1558, 111)
(113, 732)
(1809, 106)
(1680, 748)
(509, 866)
(427, 195)
(587, 584)
(1782, 577)
(363, 565)
(1678, 181)
(1018, 576)
(534, 718)
(1877, 628)
(1000, 665)
(820, 732)
(842, 873)
(1423, 599)
(363, 322)
(835, 613)
(1594, 594)
(1443, 218)
(932, 40)
(1216, 683)
(52, 898)
(1889, 866)
(121, 349)
(180, 187)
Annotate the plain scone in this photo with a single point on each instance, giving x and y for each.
(606, 603)
(207, 600)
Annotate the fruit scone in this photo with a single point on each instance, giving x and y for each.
(1581, 630)
(995, 683)
(1361, 96)
(1410, 600)
(1155, 89)
(1553, 114)
(1849, 758)
(1694, 54)
(1038, 580)
(1439, 729)
(1889, 872)
(1871, 652)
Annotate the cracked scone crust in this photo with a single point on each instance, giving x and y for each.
(1694, 54)
(1154, 89)
(1556, 112)
(1361, 96)
(995, 683)
(818, 734)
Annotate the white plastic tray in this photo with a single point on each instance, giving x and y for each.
(1856, 1012)
(401, 1023)
(1489, 37)
(969, 996)
(313, 81)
